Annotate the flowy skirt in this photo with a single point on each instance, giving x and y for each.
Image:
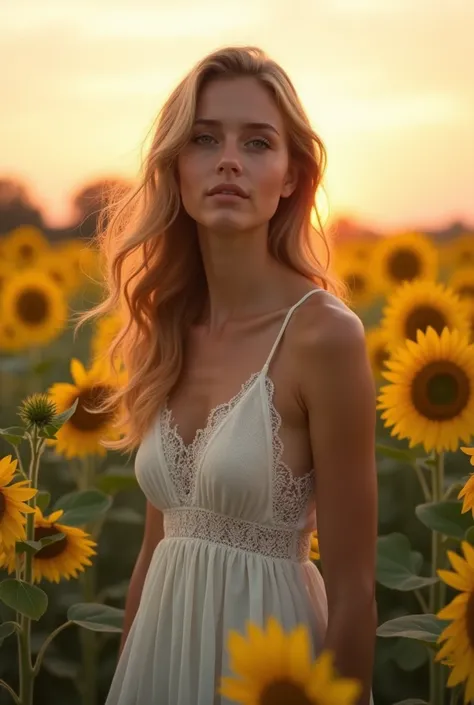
(194, 594)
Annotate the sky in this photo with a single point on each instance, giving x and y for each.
(387, 84)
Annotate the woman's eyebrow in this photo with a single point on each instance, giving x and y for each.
(250, 125)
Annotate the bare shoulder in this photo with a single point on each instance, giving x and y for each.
(326, 325)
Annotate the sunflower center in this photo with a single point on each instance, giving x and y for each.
(440, 391)
(466, 291)
(420, 318)
(90, 398)
(32, 306)
(470, 619)
(26, 251)
(3, 505)
(54, 549)
(404, 264)
(284, 693)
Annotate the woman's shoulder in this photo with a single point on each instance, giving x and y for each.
(325, 324)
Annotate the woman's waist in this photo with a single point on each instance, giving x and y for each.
(225, 530)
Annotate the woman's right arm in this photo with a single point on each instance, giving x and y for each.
(153, 534)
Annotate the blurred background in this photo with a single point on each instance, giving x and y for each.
(388, 85)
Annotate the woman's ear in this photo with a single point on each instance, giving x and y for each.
(291, 181)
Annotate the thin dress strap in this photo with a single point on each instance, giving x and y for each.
(285, 322)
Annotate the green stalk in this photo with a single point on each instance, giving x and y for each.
(89, 643)
(437, 670)
(24, 637)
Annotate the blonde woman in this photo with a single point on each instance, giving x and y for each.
(250, 397)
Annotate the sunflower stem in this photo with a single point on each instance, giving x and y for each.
(45, 645)
(24, 638)
(89, 643)
(423, 483)
(11, 691)
(437, 670)
(422, 602)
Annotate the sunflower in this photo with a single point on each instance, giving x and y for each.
(35, 305)
(468, 490)
(356, 276)
(431, 396)
(85, 260)
(275, 668)
(83, 433)
(314, 548)
(460, 251)
(357, 248)
(377, 342)
(405, 257)
(12, 504)
(65, 558)
(106, 329)
(11, 338)
(459, 635)
(416, 305)
(462, 281)
(61, 270)
(24, 245)
(5, 272)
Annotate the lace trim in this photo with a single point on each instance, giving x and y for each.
(196, 523)
(290, 493)
(183, 459)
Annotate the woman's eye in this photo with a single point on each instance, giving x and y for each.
(261, 143)
(203, 139)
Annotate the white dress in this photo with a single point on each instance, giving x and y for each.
(237, 536)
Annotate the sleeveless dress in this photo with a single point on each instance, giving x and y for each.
(236, 548)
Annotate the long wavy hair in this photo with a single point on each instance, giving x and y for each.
(154, 271)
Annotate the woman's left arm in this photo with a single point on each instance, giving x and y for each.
(339, 395)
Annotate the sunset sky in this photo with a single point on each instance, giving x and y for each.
(388, 84)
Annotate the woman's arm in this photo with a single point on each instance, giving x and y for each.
(152, 536)
(339, 395)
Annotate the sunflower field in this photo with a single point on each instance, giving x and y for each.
(72, 515)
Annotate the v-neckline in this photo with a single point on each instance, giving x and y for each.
(221, 412)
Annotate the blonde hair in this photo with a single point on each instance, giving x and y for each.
(154, 271)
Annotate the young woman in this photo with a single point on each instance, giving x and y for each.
(250, 397)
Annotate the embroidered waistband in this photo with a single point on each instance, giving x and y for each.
(196, 523)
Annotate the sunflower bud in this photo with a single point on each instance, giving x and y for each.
(37, 410)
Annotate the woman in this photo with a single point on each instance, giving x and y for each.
(250, 396)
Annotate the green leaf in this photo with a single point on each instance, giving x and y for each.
(82, 507)
(422, 627)
(397, 565)
(60, 419)
(410, 654)
(7, 629)
(469, 536)
(12, 436)
(22, 597)
(444, 517)
(49, 432)
(32, 547)
(43, 498)
(96, 617)
(117, 480)
(408, 456)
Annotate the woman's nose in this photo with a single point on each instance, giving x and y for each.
(229, 160)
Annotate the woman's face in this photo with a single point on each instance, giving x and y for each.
(238, 139)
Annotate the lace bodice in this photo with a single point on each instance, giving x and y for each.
(290, 494)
